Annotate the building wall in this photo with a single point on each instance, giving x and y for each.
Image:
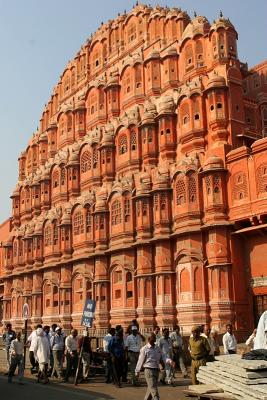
(148, 160)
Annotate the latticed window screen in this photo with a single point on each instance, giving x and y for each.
(55, 233)
(78, 227)
(116, 213)
(86, 162)
(144, 207)
(239, 186)
(15, 248)
(55, 179)
(101, 222)
(47, 236)
(123, 144)
(95, 158)
(88, 221)
(133, 140)
(262, 178)
(208, 184)
(156, 201)
(63, 176)
(192, 189)
(163, 201)
(216, 183)
(127, 209)
(180, 192)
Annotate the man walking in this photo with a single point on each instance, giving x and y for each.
(84, 345)
(71, 344)
(57, 347)
(106, 341)
(16, 359)
(229, 340)
(41, 351)
(150, 358)
(8, 336)
(177, 345)
(132, 347)
(116, 349)
(31, 340)
(199, 349)
(165, 345)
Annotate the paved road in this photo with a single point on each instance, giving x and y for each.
(92, 391)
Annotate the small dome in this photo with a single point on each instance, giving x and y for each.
(166, 105)
(222, 22)
(108, 135)
(213, 162)
(15, 192)
(66, 219)
(198, 26)
(43, 137)
(216, 81)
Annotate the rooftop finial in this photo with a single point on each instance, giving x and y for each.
(124, 12)
(195, 14)
(221, 14)
(136, 3)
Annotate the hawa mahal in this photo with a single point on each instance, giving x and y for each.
(145, 186)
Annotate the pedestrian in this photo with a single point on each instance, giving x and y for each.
(84, 344)
(156, 332)
(16, 359)
(57, 347)
(71, 352)
(8, 336)
(150, 358)
(178, 349)
(132, 348)
(52, 333)
(116, 349)
(165, 345)
(106, 340)
(199, 349)
(250, 341)
(229, 340)
(207, 335)
(214, 340)
(42, 354)
(260, 341)
(31, 340)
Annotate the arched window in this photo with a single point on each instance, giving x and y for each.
(78, 226)
(85, 162)
(138, 76)
(199, 53)
(189, 63)
(131, 33)
(15, 249)
(55, 233)
(116, 213)
(185, 285)
(89, 290)
(123, 148)
(47, 236)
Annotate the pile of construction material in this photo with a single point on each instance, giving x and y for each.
(243, 379)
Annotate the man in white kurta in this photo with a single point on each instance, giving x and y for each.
(42, 353)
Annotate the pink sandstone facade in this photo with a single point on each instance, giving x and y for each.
(145, 187)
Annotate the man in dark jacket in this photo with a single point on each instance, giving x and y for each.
(8, 336)
(116, 349)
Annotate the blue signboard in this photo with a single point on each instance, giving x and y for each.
(88, 313)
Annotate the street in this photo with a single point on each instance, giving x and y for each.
(91, 391)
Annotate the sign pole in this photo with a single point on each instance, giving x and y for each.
(25, 313)
(25, 340)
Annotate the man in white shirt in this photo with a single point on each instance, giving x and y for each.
(16, 358)
(31, 340)
(57, 347)
(132, 346)
(165, 345)
(71, 351)
(229, 341)
(177, 344)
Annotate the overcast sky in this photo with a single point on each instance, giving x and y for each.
(37, 38)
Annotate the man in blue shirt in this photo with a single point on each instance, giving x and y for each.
(116, 349)
(8, 336)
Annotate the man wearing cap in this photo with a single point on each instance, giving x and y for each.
(71, 351)
(57, 347)
(8, 336)
(199, 349)
(132, 346)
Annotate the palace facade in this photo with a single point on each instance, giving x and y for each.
(145, 187)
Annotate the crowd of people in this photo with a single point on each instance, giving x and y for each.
(124, 353)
